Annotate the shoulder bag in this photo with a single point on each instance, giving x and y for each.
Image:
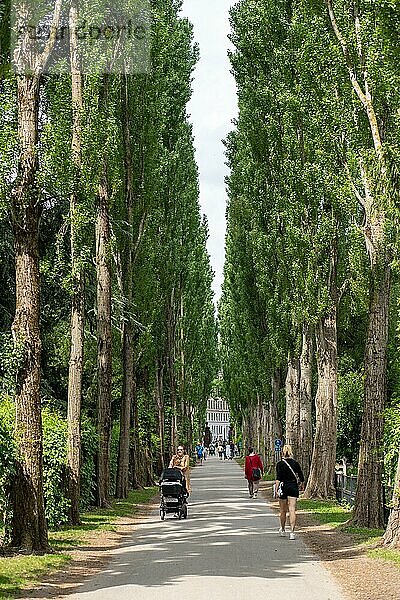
(295, 474)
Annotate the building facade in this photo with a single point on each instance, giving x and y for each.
(218, 419)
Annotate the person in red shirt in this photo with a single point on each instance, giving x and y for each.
(253, 469)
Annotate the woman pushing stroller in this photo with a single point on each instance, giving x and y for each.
(180, 461)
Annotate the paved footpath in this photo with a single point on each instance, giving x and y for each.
(228, 548)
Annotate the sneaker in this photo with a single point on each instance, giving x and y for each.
(281, 532)
(255, 495)
(251, 495)
(292, 535)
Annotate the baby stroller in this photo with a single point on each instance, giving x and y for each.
(173, 494)
(211, 450)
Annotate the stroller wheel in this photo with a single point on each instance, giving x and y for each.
(162, 514)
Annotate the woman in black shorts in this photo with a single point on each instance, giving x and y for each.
(289, 477)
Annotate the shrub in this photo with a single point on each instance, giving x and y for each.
(7, 452)
(350, 394)
(55, 478)
(89, 441)
(391, 440)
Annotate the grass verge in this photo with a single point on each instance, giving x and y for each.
(19, 572)
(329, 512)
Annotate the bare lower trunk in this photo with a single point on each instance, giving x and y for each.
(250, 426)
(126, 276)
(305, 450)
(158, 392)
(392, 533)
(321, 479)
(171, 371)
(75, 399)
(138, 469)
(127, 400)
(78, 294)
(29, 527)
(292, 435)
(274, 423)
(104, 344)
(368, 510)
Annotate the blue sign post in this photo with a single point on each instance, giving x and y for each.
(278, 449)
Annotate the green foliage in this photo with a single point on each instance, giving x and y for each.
(391, 441)
(298, 157)
(54, 462)
(10, 359)
(55, 468)
(89, 440)
(7, 452)
(350, 395)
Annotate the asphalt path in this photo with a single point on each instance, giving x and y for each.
(228, 548)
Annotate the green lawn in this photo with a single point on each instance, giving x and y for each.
(333, 514)
(326, 511)
(21, 571)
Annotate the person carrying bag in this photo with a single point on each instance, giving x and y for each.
(289, 479)
(253, 470)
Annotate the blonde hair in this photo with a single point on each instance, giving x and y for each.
(287, 451)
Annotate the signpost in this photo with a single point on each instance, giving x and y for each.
(278, 450)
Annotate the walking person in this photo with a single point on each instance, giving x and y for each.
(200, 452)
(289, 480)
(228, 451)
(232, 450)
(220, 450)
(180, 461)
(253, 469)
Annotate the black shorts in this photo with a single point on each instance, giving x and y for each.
(289, 489)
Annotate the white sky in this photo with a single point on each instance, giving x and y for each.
(211, 110)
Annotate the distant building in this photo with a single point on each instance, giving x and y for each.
(218, 418)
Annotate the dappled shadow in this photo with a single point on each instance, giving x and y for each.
(226, 537)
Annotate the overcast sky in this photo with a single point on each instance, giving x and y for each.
(211, 110)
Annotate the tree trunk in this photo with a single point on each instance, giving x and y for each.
(274, 423)
(321, 479)
(158, 392)
(104, 343)
(392, 533)
(128, 358)
(292, 435)
(250, 428)
(171, 371)
(368, 509)
(127, 401)
(305, 452)
(78, 293)
(138, 469)
(264, 442)
(182, 383)
(28, 527)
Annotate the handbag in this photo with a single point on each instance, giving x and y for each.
(295, 474)
(255, 471)
(279, 491)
